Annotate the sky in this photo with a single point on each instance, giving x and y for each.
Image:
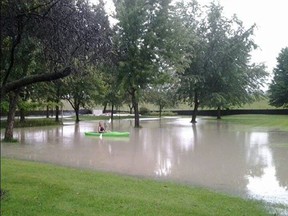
(270, 17)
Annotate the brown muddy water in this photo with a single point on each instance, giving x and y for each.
(234, 159)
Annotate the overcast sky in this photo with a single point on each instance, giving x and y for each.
(271, 18)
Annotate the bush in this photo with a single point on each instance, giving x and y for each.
(144, 110)
(164, 113)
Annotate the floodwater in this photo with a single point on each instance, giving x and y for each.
(238, 160)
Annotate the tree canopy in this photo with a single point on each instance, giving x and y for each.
(220, 73)
(206, 53)
(278, 89)
(58, 30)
(42, 39)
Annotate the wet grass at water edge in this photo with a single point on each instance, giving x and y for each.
(32, 188)
(32, 123)
(279, 122)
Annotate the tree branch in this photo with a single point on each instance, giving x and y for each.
(28, 80)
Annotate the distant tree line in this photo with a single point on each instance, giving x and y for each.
(156, 51)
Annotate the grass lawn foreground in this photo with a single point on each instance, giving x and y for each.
(32, 188)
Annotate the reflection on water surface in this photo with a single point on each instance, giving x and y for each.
(234, 159)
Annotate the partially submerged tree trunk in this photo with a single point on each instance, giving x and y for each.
(57, 112)
(218, 112)
(112, 111)
(136, 109)
(47, 111)
(22, 115)
(196, 105)
(77, 113)
(13, 99)
(160, 111)
(137, 118)
(76, 106)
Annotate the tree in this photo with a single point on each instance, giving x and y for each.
(191, 80)
(18, 21)
(161, 96)
(278, 89)
(148, 41)
(63, 30)
(112, 92)
(232, 79)
(220, 74)
(81, 88)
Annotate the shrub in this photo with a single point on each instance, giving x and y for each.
(144, 110)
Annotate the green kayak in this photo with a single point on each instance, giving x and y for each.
(108, 134)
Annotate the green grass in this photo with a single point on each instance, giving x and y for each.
(92, 117)
(279, 122)
(259, 104)
(41, 189)
(32, 123)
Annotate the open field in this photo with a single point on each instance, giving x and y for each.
(260, 104)
(269, 121)
(40, 189)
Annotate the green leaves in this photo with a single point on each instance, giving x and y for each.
(278, 89)
(220, 69)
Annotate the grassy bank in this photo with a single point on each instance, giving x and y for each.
(279, 122)
(40, 189)
(32, 123)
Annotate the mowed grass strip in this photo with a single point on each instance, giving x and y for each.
(269, 121)
(32, 123)
(32, 188)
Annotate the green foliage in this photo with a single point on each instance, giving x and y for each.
(165, 113)
(220, 74)
(150, 43)
(42, 40)
(4, 106)
(29, 105)
(42, 189)
(162, 96)
(144, 110)
(278, 89)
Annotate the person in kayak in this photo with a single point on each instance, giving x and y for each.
(101, 128)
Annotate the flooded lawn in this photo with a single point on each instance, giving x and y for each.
(239, 160)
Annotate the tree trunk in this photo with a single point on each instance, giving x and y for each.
(131, 109)
(77, 113)
(47, 111)
(22, 115)
(160, 111)
(13, 99)
(77, 116)
(196, 105)
(112, 111)
(218, 112)
(104, 108)
(136, 109)
(57, 112)
(137, 119)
